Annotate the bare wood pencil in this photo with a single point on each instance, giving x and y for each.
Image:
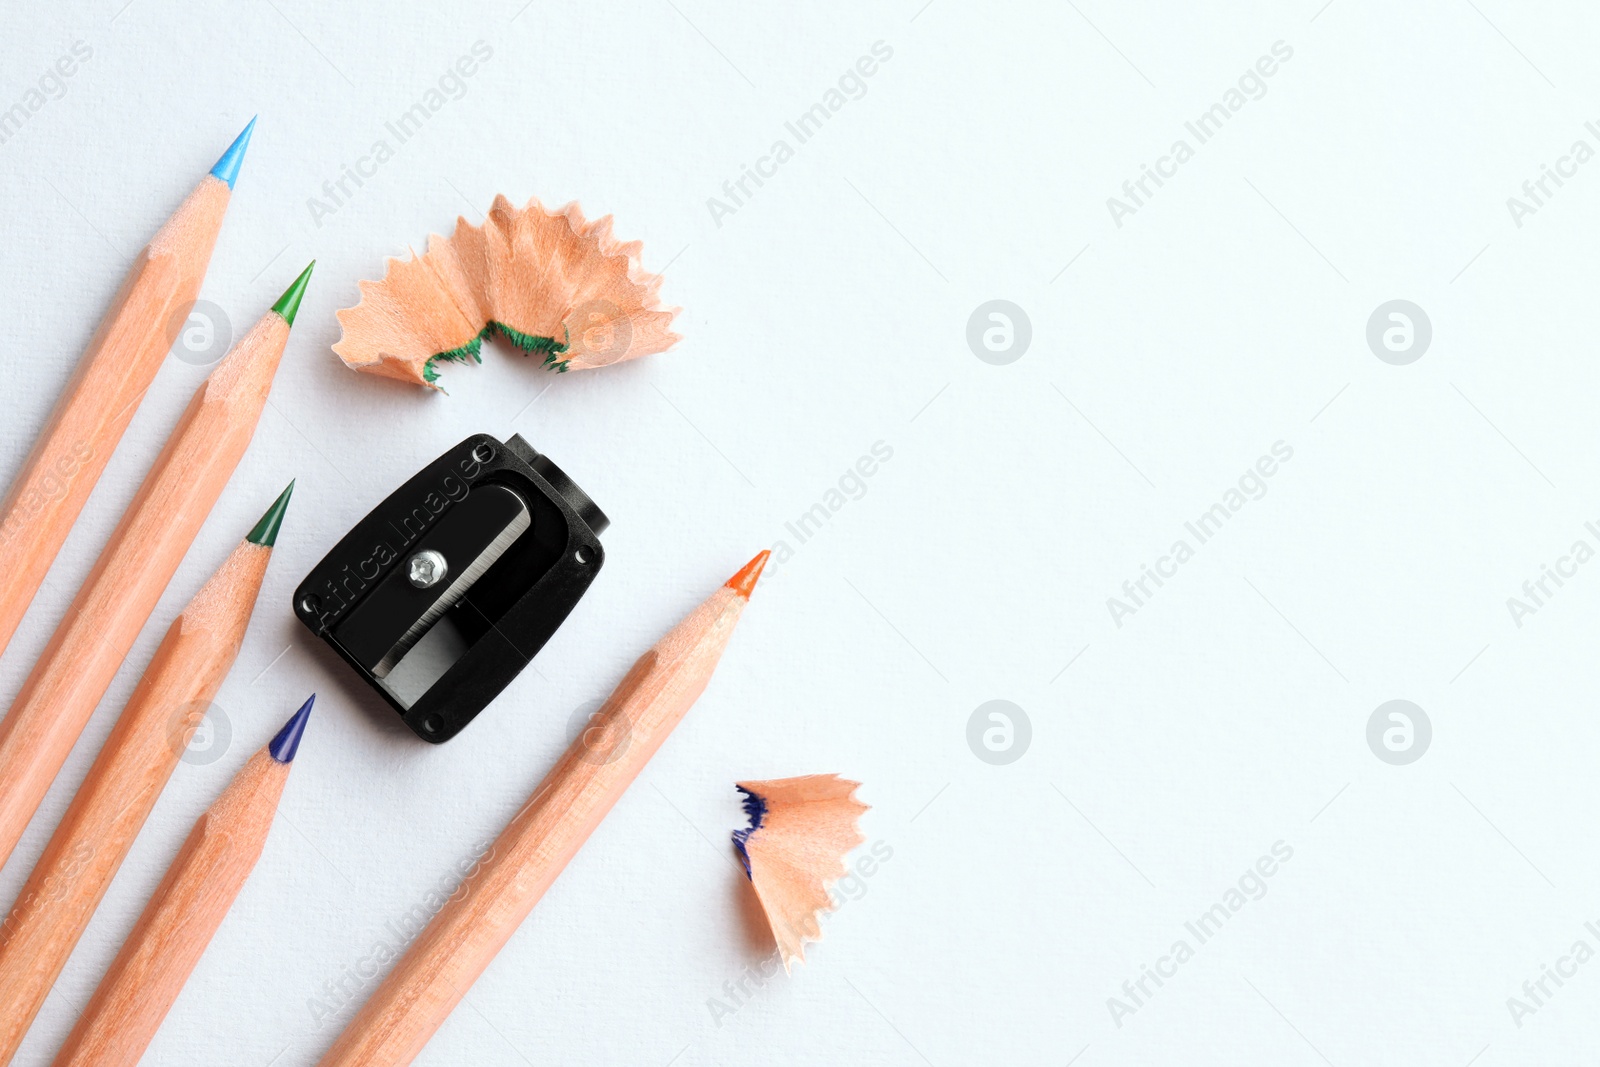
(450, 954)
(122, 359)
(145, 549)
(71, 877)
(184, 912)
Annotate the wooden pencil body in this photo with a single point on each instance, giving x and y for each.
(71, 877)
(450, 954)
(122, 590)
(112, 377)
(178, 923)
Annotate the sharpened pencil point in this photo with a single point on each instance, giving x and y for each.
(227, 167)
(265, 532)
(743, 582)
(288, 304)
(284, 746)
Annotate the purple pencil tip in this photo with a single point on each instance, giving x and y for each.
(284, 746)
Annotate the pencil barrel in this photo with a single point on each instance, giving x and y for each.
(111, 379)
(133, 571)
(461, 940)
(178, 923)
(71, 877)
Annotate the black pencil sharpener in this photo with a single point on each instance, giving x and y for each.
(449, 588)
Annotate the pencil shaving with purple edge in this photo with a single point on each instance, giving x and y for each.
(793, 851)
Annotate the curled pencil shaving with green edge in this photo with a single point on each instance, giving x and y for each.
(550, 282)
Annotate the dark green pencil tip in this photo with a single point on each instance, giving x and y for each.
(288, 304)
(265, 533)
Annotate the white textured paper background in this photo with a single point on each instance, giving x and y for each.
(827, 314)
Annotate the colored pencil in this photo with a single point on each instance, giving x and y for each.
(122, 359)
(111, 805)
(184, 912)
(145, 549)
(450, 954)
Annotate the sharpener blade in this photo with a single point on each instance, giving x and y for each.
(399, 614)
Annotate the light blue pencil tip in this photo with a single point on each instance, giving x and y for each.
(227, 167)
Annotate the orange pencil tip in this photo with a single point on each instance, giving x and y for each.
(743, 582)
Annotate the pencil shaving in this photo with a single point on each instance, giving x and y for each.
(552, 283)
(793, 851)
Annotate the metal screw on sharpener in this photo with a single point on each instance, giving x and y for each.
(426, 569)
(440, 627)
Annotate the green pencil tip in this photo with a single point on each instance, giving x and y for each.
(265, 533)
(288, 304)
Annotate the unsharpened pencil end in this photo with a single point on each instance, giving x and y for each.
(743, 582)
(288, 304)
(227, 167)
(265, 532)
(284, 746)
